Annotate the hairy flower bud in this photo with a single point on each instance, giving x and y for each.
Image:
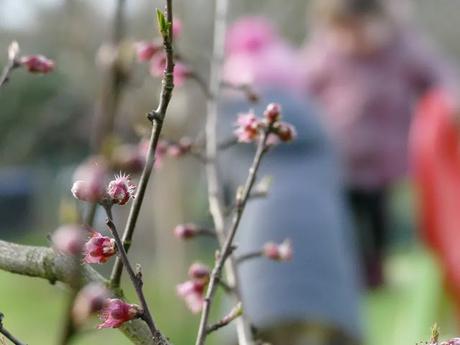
(199, 272)
(185, 231)
(278, 252)
(116, 312)
(69, 239)
(247, 127)
(121, 189)
(192, 292)
(273, 112)
(89, 300)
(98, 249)
(37, 63)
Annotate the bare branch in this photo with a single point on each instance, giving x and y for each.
(7, 334)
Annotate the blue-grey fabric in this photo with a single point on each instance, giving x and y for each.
(305, 204)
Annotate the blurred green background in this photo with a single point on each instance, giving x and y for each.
(45, 132)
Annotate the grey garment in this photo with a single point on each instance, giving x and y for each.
(305, 204)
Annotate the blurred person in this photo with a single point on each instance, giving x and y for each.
(314, 298)
(365, 67)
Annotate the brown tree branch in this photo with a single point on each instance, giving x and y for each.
(157, 117)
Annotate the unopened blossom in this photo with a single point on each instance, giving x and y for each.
(90, 300)
(90, 179)
(192, 292)
(247, 127)
(158, 65)
(121, 189)
(278, 252)
(37, 63)
(69, 239)
(185, 231)
(286, 132)
(146, 50)
(116, 312)
(177, 28)
(181, 148)
(199, 272)
(273, 112)
(99, 248)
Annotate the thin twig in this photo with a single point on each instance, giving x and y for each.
(136, 279)
(7, 334)
(7, 70)
(249, 256)
(157, 117)
(226, 249)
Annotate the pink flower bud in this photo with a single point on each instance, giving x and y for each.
(37, 63)
(121, 189)
(146, 50)
(273, 112)
(247, 127)
(89, 300)
(181, 148)
(69, 239)
(177, 28)
(192, 292)
(286, 132)
(98, 249)
(199, 272)
(90, 180)
(116, 312)
(185, 231)
(278, 252)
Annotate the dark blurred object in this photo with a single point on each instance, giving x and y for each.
(435, 155)
(16, 190)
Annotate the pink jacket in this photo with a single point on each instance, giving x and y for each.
(367, 102)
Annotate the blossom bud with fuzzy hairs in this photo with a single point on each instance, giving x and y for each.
(90, 180)
(273, 112)
(185, 231)
(286, 132)
(278, 252)
(98, 249)
(90, 300)
(37, 63)
(121, 189)
(116, 312)
(69, 239)
(247, 127)
(199, 272)
(146, 50)
(192, 292)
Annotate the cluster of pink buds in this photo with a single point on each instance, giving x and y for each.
(278, 252)
(90, 300)
(116, 312)
(98, 249)
(92, 188)
(152, 51)
(192, 291)
(249, 126)
(69, 239)
(37, 64)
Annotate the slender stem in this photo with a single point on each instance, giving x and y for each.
(7, 334)
(227, 247)
(249, 256)
(7, 70)
(136, 279)
(215, 195)
(157, 117)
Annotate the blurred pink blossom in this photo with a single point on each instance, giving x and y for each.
(116, 312)
(247, 127)
(37, 63)
(278, 252)
(89, 300)
(192, 291)
(69, 239)
(98, 249)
